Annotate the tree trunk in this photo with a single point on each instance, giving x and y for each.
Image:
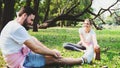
(8, 11)
(36, 5)
(0, 9)
(0, 14)
(52, 22)
(47, 10)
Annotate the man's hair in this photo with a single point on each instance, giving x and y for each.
(26, 9)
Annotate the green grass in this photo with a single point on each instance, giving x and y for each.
(108, 39)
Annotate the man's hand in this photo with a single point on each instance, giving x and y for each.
(57, 54)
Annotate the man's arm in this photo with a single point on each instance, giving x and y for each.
(40, 48)
(38, 42)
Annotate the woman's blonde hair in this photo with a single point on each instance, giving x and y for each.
(89, 20)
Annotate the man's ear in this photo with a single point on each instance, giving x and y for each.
(25, 15)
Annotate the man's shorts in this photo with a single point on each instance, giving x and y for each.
(34, 60)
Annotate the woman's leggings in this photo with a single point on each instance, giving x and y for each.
(74, 47)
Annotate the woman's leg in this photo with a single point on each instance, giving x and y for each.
(74, 47)
(97, 52)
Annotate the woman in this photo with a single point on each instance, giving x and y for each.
(88, 42)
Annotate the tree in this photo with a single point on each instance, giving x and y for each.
(85, 8)
(0, 13)
(47, 6)
(0, 9)
(101, 11)
(51, 12)
(36, 5)
(67, 15)
(8, 12)
(116, 15)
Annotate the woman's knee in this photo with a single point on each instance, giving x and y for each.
(97, 49)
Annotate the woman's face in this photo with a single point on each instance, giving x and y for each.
(86, 24)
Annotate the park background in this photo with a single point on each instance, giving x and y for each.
(58, 21)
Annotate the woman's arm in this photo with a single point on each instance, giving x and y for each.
(94, 40)
(82, 40)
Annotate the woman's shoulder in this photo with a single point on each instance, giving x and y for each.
(81, 30)
(92, 31)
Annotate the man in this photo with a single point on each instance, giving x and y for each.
(21, 50)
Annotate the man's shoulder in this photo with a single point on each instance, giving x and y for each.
(12, 23)
(13, 26)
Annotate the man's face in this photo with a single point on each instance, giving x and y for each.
(29, 21)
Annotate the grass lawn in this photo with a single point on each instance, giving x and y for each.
(108, 39)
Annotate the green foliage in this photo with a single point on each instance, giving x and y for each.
(56, 7)
(107, 39)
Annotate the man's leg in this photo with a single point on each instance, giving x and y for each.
(97, 52)
(63, 61)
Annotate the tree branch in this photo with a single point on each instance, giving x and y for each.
(85, 10)
(74, 6)
(63, 10)
(108, 9)
(96, 16)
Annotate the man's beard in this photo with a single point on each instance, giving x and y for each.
(25, 25)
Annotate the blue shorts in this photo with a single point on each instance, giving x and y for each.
(34, 60)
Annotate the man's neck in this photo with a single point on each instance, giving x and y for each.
(19, 20)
